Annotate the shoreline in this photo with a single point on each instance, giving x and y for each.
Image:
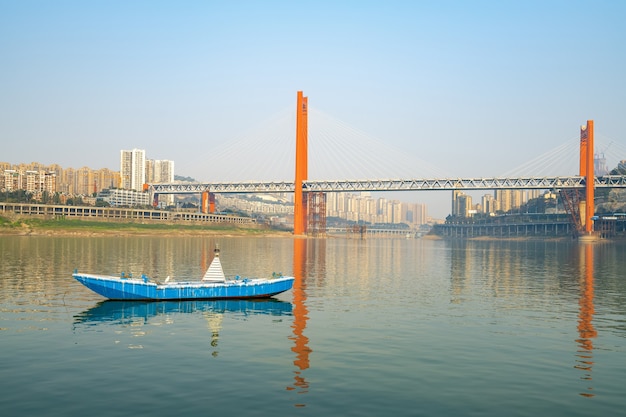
(140, 233)
(82, 228)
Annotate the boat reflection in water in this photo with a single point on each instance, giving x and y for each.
(129, 311)
(134, 313)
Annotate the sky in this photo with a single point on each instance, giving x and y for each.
(470, 88)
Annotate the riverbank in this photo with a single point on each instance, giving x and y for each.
(41, 227)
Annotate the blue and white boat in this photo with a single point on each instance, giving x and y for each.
(214, 285)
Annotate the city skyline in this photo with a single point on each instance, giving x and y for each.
(85, 180)
(474, 89)
(134, 171)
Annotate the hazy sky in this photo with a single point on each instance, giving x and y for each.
(474, 88)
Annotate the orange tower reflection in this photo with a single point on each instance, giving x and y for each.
(300, 315)
(586, 331)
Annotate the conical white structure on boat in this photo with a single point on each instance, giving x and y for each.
(215, 272)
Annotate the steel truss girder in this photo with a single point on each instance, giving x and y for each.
(447, 184)
(611, 181)
(223, 187)
(543, 183)
(463, 184)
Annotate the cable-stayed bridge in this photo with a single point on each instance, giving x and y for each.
(302, 186)
(340, 150)
(341, 158)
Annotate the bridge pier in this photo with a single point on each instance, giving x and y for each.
(207, 202)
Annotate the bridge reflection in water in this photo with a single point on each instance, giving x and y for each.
(307, 253)
(498, 268)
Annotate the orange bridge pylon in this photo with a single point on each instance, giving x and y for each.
(581, 208)
(300, 198)
(587, 209)
(587, 171)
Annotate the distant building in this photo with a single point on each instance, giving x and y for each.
(124, 198)
(12, 180)
(599, 165)
(161, 171)
(418, 213)
(489, 204)
(133, 169)
(31, 181)
(461, 204)
(464, 205)
(105, 178)
(84, 181)
(363, 207)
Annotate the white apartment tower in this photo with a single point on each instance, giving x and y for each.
(133, 169)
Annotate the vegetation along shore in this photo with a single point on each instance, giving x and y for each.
(64, 227)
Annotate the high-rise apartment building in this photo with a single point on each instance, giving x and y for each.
(32, 181)
(511, 199)
(84, 181)
(417, 213)
(67, 185)
(106, 179)
(489, 204)
(12, 180)
(160, 170)
(505, 199)
(461, 204)
(133, 169)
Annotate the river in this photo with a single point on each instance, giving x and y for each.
(377, 327)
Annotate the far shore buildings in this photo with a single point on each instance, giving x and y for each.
(499, 201)
(353, 208)
(37, 178)
(125, 188)
(363, 208)
(135, 171)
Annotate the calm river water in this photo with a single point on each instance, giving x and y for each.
(380, 327)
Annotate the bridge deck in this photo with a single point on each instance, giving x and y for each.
(543, 183)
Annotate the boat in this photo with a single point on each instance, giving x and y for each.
(213, 286)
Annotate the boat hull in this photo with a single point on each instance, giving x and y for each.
(116, 288)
